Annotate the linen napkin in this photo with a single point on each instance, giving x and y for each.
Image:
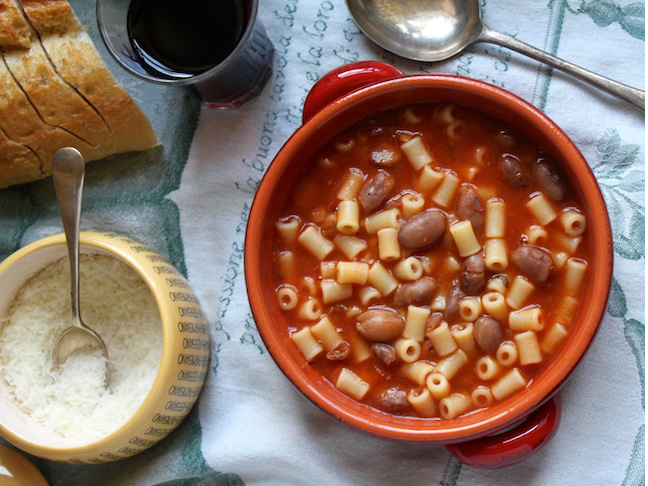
(250, 425)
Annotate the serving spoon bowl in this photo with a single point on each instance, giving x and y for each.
(434, 30)
(68, 173)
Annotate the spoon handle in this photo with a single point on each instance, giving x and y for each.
(634, 96)
(68, 171)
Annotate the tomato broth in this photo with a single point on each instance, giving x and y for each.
(484, 164)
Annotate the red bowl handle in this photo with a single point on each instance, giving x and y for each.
(515, 445)
(343, 80)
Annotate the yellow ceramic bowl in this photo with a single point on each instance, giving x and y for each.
(185, 351)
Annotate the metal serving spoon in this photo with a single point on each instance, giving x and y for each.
(68, 171)
(434, 30)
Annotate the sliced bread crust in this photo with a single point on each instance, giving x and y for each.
(73, 54)
(21, 123)
(14, 33)
(57, 102)
(18, 164)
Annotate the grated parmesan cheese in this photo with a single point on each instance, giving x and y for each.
(72, 401)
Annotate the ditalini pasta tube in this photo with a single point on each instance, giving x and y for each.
(351, 384)
(573, 222)
(422, 402)
(307, 286)
(541, 209)
(494, 305)
(574, 275)
(333, 291)
(415, 323)
(520, 291)
(481, 396)
(407, 350)
(465, 239)
(508, 384)
(306, 343)
(559, 258)
(455, 129)
(409, 269)
(438, 385)
(359, 348)
(470, 308)
(417, 153)
(388, 246)
(451, 365)
(327, 269)
(453, 406)
(389, 218)
(352, 272)
(412, 204)
(498, 283)
(313, 241)
(285, 264)
(528, 348)
(553, 338)
(288, 228)
(348, 217)
(495, 218)
(287, 297)
(442, 340)
(368, 295)
(446, 114)
(380, 278)
(536, 235)
(569, 243)
(566, 311)
(351, 185)
(417, 371)
(411, 116)
(325, 331)
(496, 257)
(464, 337)
(345, 145)
(309, 310)
(429, 179)
(506, 354)
(527, 319)
(350, 246)
(446, 191)
(487, 368)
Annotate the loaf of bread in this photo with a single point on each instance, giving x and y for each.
(57, 92)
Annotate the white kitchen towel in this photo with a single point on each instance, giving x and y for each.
(251, 425)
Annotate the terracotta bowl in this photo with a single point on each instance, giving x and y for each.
(505, 433)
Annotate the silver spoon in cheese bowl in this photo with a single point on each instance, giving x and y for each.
(68, 172)
(434, 30)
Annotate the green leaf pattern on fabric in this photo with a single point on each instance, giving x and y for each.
(613, 170)
(635, 334)
(604, 13)
(635, 473)
(619, 183)
(617, 306)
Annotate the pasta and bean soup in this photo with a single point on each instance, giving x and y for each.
(430, 261)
